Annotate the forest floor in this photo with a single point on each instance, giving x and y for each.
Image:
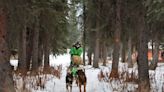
(97, 79)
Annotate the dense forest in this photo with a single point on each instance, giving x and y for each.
(106, 28)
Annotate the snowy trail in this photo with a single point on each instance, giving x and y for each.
(58, 85)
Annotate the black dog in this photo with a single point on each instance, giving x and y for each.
(69, 80)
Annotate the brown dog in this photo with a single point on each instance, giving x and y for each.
(82, 80)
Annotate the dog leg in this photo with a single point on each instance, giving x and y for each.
(80, 87)
(67, 87)
(77, 81)
(84, 87)
(71, 88)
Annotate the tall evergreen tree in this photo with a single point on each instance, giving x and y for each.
(142, 47)
(117, 33)
(6, 84)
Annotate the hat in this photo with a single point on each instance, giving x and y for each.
(77, 45)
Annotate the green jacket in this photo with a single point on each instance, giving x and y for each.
(75, 51)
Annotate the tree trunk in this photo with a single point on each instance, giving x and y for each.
(29, 47)
(130, 64)
(144, 85)
(96, 49)
(22, 51)
(46, 50)
(101, 51)
(154, 62)
(6, 84)
(40, 51)
(104, 55)
(35, 47)
(97, 37)
(116, 51)
(123, 51)
(152, 45)
(84, 32)
(89, 56)
(40, 55)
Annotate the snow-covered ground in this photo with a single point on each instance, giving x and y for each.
(58, 85)
(53, 84)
